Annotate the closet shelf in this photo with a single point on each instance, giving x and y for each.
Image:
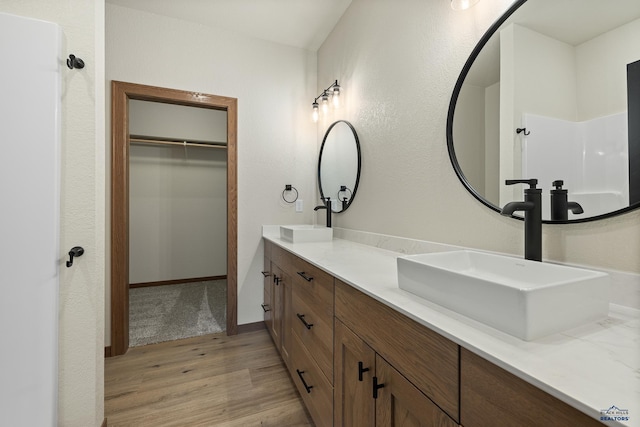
(138, 139)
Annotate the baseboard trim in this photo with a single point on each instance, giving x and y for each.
(176, 281)
(251, 327)
(107, 351)
(104, 423)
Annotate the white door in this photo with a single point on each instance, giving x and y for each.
(29, 220)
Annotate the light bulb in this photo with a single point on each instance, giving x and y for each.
(462, 4)
(336, 96)
(315, 111)
(325, 103)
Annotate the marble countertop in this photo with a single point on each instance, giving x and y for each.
(592, 367)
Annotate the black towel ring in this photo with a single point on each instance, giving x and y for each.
(287, 188)
(344, 189)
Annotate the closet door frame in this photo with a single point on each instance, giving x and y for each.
(121, 93)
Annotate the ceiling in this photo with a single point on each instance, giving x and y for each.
(299, 23)
(570, 21)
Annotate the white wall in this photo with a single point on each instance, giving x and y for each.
(470, 128)
(602, 71)
(398, 63)
(275, 86)
(177, 195)
(545, 75)
(81, 299)
(492, 143)
(179, 122)
(177, 213)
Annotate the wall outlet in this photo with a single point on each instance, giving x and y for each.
(299, 205)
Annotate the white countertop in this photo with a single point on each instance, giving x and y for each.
(591, 368)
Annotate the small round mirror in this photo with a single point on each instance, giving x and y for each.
(339, 165)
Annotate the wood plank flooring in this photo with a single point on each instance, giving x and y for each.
(211, 380)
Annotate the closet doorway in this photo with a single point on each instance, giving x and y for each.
(122, 93)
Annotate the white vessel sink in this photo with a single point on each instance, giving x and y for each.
(306, 233)
(526, 299)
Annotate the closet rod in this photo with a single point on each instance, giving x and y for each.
(139, 140)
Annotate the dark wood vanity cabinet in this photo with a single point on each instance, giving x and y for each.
(491, 396)
(312, 331)
(339, 343)
(416, 369)
(370, 392)
(267, 279)
(277, 301)
(301, 325)
(354, 368)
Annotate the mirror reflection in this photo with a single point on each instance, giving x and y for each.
(554, 94)
(339, 165)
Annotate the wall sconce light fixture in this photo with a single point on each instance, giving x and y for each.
(462, 4)
(333, 93)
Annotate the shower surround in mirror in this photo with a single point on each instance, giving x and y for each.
(591, 157)
(171, 312)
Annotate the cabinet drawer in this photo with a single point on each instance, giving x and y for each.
(314, 388)
(314, 286)
(283, 259)
(315, 331)
(266, 307)
(267, 248)
(424, 357)
(492, 396)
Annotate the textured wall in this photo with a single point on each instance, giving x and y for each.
(398, 63)
(274, 85)
(81, 299)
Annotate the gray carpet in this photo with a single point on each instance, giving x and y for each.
(171, 312)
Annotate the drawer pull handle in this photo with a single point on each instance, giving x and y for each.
(276, 279)
(301, 317)
(265, 273)
(304, 276)
(304, 383)
(265, 307)
(361, 370)
(376, 387)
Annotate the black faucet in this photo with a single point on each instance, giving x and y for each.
(327, 206)
(560, 207)
(532, 207)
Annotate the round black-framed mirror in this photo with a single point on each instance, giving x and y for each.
(339, 164)
(578, 27)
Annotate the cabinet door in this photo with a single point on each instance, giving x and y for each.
(266, 304)
(276, 305)
(285, 311)
(400, 403)
(354, 367)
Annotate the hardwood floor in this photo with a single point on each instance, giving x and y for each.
(212, 380)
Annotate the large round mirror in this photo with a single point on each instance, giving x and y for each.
(552, 91)
(339, 165)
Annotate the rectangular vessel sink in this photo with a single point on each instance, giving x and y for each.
(526, 299)
(306, 233)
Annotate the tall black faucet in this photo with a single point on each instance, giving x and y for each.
(560, 207)
(532, 207)
(327, 206)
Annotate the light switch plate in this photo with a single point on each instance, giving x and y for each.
(299, 205)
